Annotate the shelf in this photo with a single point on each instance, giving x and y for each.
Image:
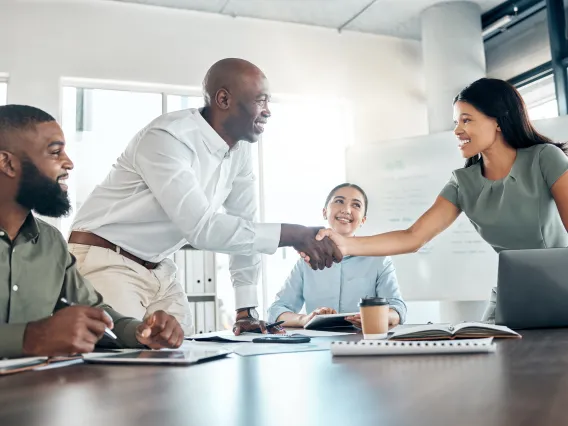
(201, 298)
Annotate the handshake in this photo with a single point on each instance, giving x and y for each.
(320, 253)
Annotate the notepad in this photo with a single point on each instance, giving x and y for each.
(385, 347)
(464, 330)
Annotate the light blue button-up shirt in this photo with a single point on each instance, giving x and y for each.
(339, 287)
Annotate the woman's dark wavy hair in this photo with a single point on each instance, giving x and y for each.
(500, 100)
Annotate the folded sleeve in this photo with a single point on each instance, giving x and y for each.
(387, 287)
(12, 336)
(290, 298)
(450, 191)
(553, 163)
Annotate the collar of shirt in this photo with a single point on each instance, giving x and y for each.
(516, 169)
(215, 143)
(28, 232)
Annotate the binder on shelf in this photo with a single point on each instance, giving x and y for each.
(210, 272)
(210, 313)
(200, 317)
(197, 274)
(188, 259)
(197, 270)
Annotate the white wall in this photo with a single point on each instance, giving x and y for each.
(44, 41)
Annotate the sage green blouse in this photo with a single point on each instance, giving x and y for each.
(518, 211)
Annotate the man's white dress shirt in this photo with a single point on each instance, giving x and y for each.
(165, 191)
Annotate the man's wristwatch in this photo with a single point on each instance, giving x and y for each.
(250, 313)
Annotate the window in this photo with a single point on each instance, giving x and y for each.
(303, 158)
(99, 123)
(540, 98)
(3, 93)
(176, 102)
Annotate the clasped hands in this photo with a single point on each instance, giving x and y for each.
(318, 249)
(325, 247)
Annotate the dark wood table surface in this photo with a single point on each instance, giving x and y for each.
(524, 383)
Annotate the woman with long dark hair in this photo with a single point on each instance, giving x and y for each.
(513, 188)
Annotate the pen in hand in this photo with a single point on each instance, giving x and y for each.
(108, 331)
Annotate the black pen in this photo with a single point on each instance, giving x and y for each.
(257, 330)
(108, 332)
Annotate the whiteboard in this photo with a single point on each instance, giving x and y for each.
(402, 179)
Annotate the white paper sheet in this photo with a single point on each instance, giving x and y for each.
(228, 336)
(280, 348)
(318, 333)
(21, 362)
(223, 336)
(247, 348)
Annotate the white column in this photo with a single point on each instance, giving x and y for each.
(453, 55)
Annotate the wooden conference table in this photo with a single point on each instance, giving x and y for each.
(524, 383)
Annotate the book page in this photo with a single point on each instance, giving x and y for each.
(483, 328)
(425, 330)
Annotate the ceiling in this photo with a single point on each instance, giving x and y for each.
(398, 18)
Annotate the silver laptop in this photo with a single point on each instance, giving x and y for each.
(532, 288)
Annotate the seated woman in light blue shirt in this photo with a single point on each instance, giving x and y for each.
(339, 288)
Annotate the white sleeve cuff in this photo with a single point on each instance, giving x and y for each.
(267, 237)
(246, 296)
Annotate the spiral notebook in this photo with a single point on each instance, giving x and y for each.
(423, 347)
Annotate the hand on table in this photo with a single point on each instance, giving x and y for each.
(250, 324)
(160, 330)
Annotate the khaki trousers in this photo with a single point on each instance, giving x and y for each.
(130, 288)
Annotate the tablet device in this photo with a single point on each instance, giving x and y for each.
(322, 322)
(175, 357)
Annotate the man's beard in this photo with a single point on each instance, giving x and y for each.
(39, 193)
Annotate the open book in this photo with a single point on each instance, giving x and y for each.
(464, 330)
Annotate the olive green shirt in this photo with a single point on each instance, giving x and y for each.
(36, 270)
(517, 212)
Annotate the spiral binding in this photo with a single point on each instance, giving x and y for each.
(412, 344)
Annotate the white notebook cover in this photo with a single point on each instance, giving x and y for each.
(386, 347)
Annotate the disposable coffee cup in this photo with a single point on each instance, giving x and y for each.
(374, 317)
